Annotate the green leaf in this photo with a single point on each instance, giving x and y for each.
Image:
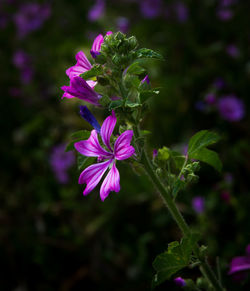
(77, 136)
(202, 139)
(146, 94)
(83, 134)
(197, 148)
(96, 70)
(178, 159)
(174, 259)
(83, 162)
(209, 157)
(132, 104)
(135, 69)
(148, 54)
(115, 104)
(163, 154)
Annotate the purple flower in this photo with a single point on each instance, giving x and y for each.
(233, 51)
(181, 11)
(231, 108)
(210, 99)
(82, 65)
(122, 24)
(97, 11)
(89, 117)
(23, 62)
(200, 106)
(60, 162)
(30, 17)
(240, 266)
(91, 148)
(198, 204)
(96, 47)
(227, 3)
(180, 282)
(79, 88)
(224, 14)
(150, 8)
(155, 153)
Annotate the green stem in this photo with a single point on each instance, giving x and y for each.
(177, 216)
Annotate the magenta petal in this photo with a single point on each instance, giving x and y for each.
(107, 129)
(91, 147)
(92, 175)
(122, 149)
(110, 183)
(82, 65)
(96, 47)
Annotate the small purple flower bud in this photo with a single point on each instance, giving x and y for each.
(89, 117)
(198, 204)
(180, 282)
(155, 153)
(146, 79)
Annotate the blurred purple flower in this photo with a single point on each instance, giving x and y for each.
(155, 153)
(23, 62)
(31, 17)
(228, 178)
(240, 266)
(227, 3)
(150, 8)
(181, 11)
(4, 19)
(225, 195)
(233, 51)
(200, 106)
(122, 24)
(219, 83)
(210, 98)
(198, 204)
(60, 162)
(97, 11)
(231, 108)
(180, 282)
(224, 14)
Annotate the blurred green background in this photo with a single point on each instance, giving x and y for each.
(53, 238)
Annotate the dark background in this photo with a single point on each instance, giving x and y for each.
(53, 238)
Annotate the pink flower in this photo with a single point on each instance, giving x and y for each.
(91, 148)
(96, 47)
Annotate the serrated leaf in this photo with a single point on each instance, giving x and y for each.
(174, 259)
(197, 148)
(202, 139)
(135, 69)
(96, 70)
(149, 54)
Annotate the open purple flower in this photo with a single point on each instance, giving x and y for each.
(91, 148)
(96, 47)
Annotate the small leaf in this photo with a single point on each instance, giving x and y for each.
(148, 53)
(132, 104)
(146, 94)
(96, 70)
(83, 134)
(197, 148)
(178, 159)
(83, 162)
(70, 146)
(135, 69)
(115, 104)
(163, 154)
